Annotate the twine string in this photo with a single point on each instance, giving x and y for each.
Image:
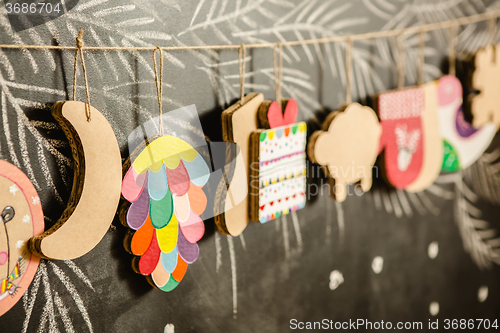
(241, 63)
(491, 30)
(79, 51)
(421, 57)
(159, 85)
(452, 56)
(278, 68)
(401, 41)
(348, 69)
(491, 15)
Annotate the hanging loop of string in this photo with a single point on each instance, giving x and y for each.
(159, 85)
(421, 56)
(491, 30)
(79, 51)
(348, 69)
(278, 67)
(241, 63)
(452, 56)
(401, 41)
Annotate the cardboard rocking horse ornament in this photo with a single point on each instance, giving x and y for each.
(277, 162)
(347, 147)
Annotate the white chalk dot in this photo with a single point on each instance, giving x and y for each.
(433, 250)
(169, 328)
(434, 308)
(336, 279)
(377, 264)
(482, 294)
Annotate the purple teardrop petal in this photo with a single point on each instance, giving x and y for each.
(189, 252)
(139, 210)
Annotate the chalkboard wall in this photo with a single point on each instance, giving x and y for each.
(385, 255)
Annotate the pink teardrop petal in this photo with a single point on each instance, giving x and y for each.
(133, 184)
(178, 179)
(193, 228)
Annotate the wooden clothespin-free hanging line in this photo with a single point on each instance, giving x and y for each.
(401, 43)
(79, 51)
(241, 63)
(491, 36)
(421, 57)
(159, 85)
(348, 69)
(452, 56)
(278, 68)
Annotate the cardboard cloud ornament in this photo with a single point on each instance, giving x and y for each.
(347, 148)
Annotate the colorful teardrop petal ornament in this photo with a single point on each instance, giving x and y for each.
(142, 238)
(138, 211)
(150, 258)
(181, 207)
(187, 251)
(180, 270)
(197, 199)
(198, 171)
(133, 184)
(167, 236)
(157, 184)
(193, 228)
(178, 180)
(169, 260)
(161, 210)
(160, 277)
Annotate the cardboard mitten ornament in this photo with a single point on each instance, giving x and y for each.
(400, 116)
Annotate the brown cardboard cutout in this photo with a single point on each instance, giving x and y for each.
(96, 185)
(347, 147)
(485, 106)
(238, 122)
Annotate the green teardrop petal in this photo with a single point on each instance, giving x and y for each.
(161, 211)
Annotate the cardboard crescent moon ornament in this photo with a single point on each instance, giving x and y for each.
(238, 122)
(96, 185)
(463, 144)
(485, 106)
(164, 186)
(21, 217)
(347, 147)
(278, 162)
